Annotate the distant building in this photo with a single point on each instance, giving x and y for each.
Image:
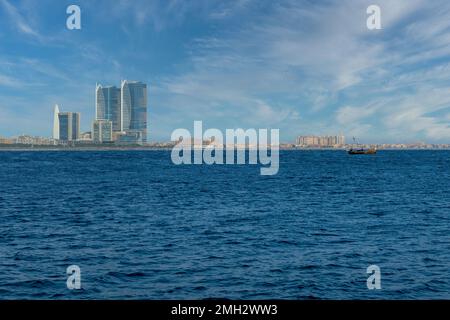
(321, 141)
(30, 140)
(86, 136)
(134, 109)
(108, 105)
(6, 141)
(129, 138)
(102, 131)
(69, 126)
(56, 122)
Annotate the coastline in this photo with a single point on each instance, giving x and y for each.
(158, 148)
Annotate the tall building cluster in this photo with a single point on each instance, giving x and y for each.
(321, 141)
(120, 116)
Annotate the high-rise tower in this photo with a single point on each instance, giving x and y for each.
(108, 105)
(56, 123)
(69, 126)
(134, 108)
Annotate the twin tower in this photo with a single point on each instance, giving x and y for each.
(120, 116)
(121, 113)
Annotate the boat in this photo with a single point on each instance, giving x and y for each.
(360, 150)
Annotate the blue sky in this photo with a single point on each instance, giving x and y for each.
(305, 67)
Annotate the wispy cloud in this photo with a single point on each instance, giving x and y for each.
(19, 21)
(316, 57)
(9, 81)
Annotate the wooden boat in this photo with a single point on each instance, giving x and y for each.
(362, 151)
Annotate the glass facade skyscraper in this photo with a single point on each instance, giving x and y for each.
(64, 124)
(108, 105)
(134, 108)
(69, 126)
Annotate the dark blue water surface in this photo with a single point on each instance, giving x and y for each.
(140, 227)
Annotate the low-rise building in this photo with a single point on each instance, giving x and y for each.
(6, 141)
(30, 140)
(102, 131)
(321, 141)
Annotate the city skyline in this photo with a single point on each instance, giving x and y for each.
(302, 67)
(112, 106)
(120, 116)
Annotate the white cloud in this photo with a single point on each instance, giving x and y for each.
(8, 81)
(348, 115)
(309, 54)
(20, 22)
